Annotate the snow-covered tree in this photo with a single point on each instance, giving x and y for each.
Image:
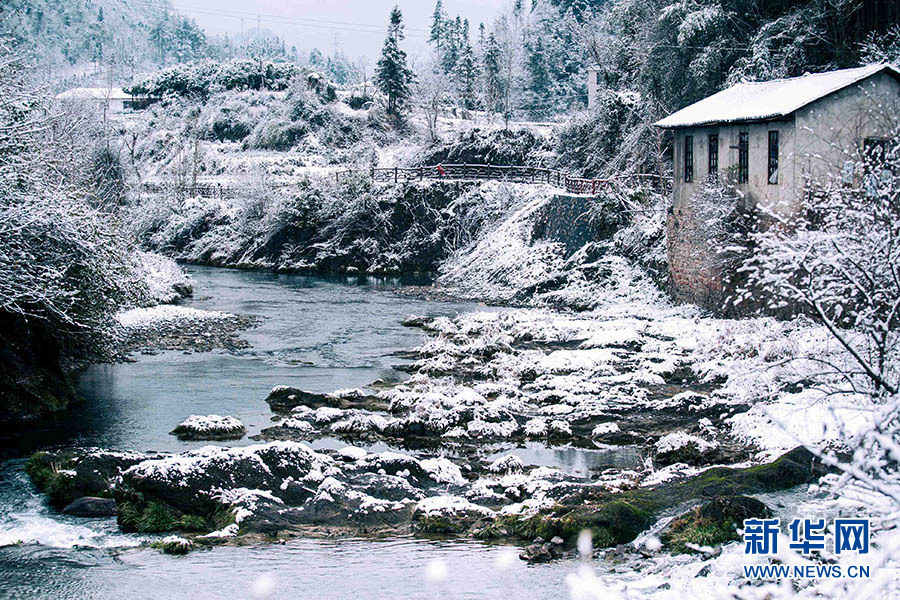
(433, 93)
(839, 261)
(393, 77)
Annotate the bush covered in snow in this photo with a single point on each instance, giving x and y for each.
(614, 137)
(493, 147)
(65, 266)
(303, 113)
(203, 78)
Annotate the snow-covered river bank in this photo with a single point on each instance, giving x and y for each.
(588, 403)
(316, 335)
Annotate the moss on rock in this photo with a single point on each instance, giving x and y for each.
(134, 515)
(173, 545)
(613, 522)
(53, 477)
(713, 523)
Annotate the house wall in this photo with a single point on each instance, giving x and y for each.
(695, 272)
(757, 190)
(832, 130)
(814, 143)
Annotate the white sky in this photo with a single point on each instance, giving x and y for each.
(358, 26)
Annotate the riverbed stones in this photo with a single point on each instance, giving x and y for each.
(286, 488)
(286, 400)
(182, 329)
(209, 427)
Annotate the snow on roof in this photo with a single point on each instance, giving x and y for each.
(763, 100)
(82, 93)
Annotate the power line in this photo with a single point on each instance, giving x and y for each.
(279, 20)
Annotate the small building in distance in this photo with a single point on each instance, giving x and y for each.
(119, 101)
(768, 139)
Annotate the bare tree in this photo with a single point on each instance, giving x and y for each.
(433, 91)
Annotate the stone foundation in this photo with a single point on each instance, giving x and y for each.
(694, 275)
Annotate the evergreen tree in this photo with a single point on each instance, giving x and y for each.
(437, 25)
(393, 77)
(539, 82)
(492, 73)
(465, 76)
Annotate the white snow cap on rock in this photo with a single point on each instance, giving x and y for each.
(202, 423)
(679, 439)
(509, 463)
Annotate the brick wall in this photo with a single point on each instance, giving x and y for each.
(695, 276)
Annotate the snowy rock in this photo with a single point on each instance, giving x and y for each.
(91, 507)
(209, 427)
(507, 464)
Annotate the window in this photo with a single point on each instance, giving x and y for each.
(713, 157)
(688, 158)
(874, 153)
(773, 157)
(743, 157)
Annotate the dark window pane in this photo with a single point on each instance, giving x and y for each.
(688, 158)
(743, 157)
(713, 157)
(773, 157)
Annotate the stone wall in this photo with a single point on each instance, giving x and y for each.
(695, 275)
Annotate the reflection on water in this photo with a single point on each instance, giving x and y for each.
(316, 335)
(574, 461)
(323, 569)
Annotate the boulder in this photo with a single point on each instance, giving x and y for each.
(90, 506)
(283, 399)
(67, 475)
(209, 427)
(713, 523)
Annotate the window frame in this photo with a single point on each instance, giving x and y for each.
(688, 159)
(712, 158)
(743, 175)
(773, 157)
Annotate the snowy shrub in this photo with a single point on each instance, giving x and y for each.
(491, 146)
(837, 261)
(615, 137)
(231, 116)
(302, 117)
(202, 78)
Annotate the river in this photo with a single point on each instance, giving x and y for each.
(313, 334)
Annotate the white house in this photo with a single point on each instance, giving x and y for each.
(768, 139)
(118, 100)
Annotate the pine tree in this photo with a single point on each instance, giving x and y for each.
(492, 73)
(450, 47)
(438, 25)
(465, 76)
(538, 74)
(393, 77)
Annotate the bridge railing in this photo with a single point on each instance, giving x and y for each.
(513, 173)
(518, 174)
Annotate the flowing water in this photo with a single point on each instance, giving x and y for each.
(313, 334)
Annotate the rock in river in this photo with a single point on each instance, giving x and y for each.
(209, 427)
(90, 506)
